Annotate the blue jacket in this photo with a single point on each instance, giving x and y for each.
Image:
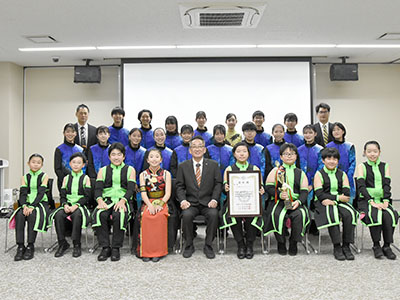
(166, 154)
(222, 154)
(310, 160)
(347, 161)
(173, 140)
(205, 135)
(118, 134)
(272, 157)
(257, 157)
(134, 157)
(294, 138)
(147, 138)
(263, 138)
(97, 158)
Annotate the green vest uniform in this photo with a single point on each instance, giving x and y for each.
(374, 185)
(332, 187)
(276, 211)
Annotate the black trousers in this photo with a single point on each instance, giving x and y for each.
(249, 233)
(296, 219)
(188, 216)
(102, 231)
(386, 229)
(60, 220)
(20, 221)
(348, 228)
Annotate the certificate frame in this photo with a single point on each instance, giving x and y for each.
(244, 199)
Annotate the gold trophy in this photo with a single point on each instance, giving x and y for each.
(280, 175)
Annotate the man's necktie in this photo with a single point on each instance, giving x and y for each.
(83, 136)
(198, 174)
(325, 135)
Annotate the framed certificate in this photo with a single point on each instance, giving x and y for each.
(244, 199)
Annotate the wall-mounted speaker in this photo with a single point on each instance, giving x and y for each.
(87, 74)
(343, 72)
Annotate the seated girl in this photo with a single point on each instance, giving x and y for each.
(332, 205)
(114, 190)
(74, 196)
(32, 208)
(374, 185)
(244, 238)
(155, 186)
(287, 187)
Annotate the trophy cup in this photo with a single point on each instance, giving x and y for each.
(285, 187)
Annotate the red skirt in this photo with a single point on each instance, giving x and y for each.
(154, 232)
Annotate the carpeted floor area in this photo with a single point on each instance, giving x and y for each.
(314, 276)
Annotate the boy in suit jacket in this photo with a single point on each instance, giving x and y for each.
(198, 188)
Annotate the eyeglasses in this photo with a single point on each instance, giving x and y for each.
(321, 112)
(288, 154)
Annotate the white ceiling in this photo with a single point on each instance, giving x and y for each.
(157, 22)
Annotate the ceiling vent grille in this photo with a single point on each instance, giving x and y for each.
(391, 36)
(221, 16)
(42, 39)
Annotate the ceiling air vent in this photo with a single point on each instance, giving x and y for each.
(42, 39)
(221, 16)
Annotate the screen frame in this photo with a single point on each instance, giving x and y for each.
(149, 60)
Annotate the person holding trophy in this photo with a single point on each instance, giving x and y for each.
(287, 187)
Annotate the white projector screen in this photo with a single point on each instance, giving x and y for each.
(218, 88)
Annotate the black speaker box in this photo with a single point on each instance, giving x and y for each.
(87, 74)
(343, 72)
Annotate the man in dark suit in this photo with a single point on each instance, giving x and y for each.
(86, 136)
(198, 187)
(323, 128)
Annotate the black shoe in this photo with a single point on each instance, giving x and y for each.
(115, 256)
(61, 249)
(77, 250)
(29, 252)
(20, 253)
(313, 228)
(241, 252)
(188, 251)
(387, 251)
(209, 252)
(293, 248)
(378, 253)
(249, 252)
(104, 254)
(347, 253)
(282, 249)
(146, 259)
(155, 259)
(338, 253)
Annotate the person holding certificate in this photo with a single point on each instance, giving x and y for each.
(287, 187)
(244, 238)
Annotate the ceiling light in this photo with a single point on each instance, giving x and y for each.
(214, 46)
(298, 46)
(369, 46)
(135, 47)
(56, 49)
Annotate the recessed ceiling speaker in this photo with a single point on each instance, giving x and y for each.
(344, 72)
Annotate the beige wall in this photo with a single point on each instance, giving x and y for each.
(11, 116)
(369, 108)
(51, 100)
